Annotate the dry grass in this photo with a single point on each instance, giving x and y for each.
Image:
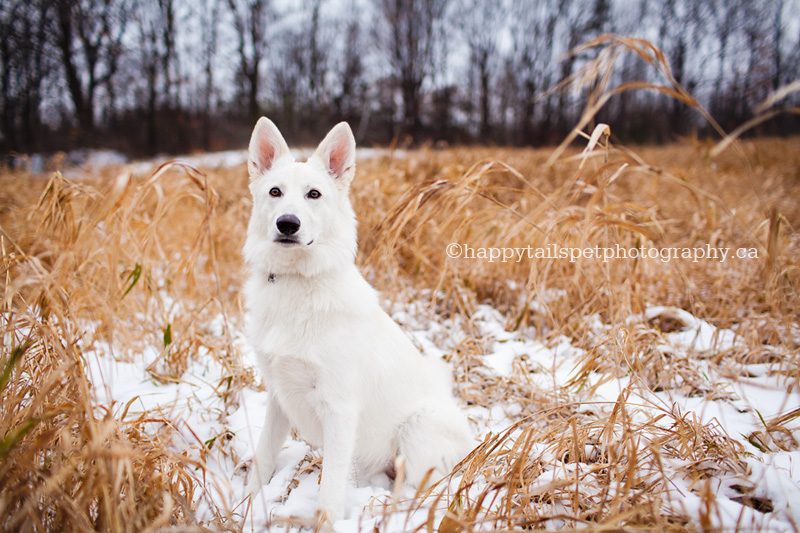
(128, 262)
(165, 250)
(569, 463)
(122, 265)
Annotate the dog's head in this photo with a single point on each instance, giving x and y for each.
(302, 221)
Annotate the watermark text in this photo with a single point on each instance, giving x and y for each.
(456, 250)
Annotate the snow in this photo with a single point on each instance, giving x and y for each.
(76, 163)
(234, 158)
(696, 334)
(225, 433)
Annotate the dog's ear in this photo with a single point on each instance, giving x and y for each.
(337, 151)
(266, 147)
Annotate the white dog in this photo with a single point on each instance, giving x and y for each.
(337, 368)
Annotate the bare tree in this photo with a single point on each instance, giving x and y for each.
(193, 66)
(350, 96)
(759, 76)
(250, 25)
(573, 14)
(154, 51)
(777, 42)
(89, 36)
(287, 77)
(24, 62)
(169, 58)
(410, 42)
(480, 23)
(672, 39)
(725, 15)
(312, 54)
(317, 55)
(298, 70)
(209, 16)
(531, 68)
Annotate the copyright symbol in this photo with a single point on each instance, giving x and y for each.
(453, 250)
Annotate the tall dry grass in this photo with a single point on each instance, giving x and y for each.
(609, 459)
(123, 263)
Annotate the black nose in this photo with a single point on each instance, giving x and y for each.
(288, 224)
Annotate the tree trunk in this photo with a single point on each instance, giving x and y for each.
(83, 111)
(485, 128)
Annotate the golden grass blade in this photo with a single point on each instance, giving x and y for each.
(601, 130)
(731, 137)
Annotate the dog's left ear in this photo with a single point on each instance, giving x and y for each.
(337, 151)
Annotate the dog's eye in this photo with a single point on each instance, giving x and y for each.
(314, 194)
(275, 192)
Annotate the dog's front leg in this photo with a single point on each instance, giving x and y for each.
(339, 435)
(276, 429)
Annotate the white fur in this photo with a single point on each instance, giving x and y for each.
(336, 367)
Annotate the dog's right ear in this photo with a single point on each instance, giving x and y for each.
(266, 147)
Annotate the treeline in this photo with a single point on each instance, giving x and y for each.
(150, 76)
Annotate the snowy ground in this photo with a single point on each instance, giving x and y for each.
(224, 436)
(222, 433)
(77, 163)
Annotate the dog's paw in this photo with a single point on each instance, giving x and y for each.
(260, 475)
(330, 506)
(253, 485)
(329, 515)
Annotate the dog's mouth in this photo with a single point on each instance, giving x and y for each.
(290, 241)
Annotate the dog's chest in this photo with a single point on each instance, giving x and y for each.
(292, 309)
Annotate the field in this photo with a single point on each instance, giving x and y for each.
(623, 324)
